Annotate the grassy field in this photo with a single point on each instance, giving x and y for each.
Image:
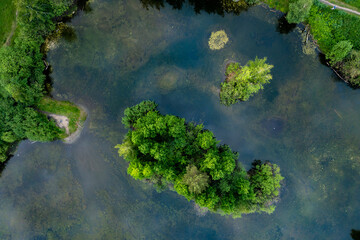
(354, 3)
(7, 18)
(75, 114)
(343, 3)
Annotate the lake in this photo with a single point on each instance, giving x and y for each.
(122, 52)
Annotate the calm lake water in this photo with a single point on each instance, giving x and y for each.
(305, 120)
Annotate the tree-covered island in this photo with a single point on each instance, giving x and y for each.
(168, 151)
(242, 82)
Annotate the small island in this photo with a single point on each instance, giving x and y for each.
(169, 152)
(242, 82)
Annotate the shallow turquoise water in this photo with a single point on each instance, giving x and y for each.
(305, 120)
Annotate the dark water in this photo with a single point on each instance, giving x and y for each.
(305, 120)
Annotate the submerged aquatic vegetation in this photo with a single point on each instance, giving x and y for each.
(62, 31)
(49, 200)
(166, 150)
(218, 40)
(308, 45)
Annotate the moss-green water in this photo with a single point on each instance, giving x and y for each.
(305, 120)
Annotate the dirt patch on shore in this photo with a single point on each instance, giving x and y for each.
(61, 122)
(80, 125)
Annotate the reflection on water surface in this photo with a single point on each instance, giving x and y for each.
(124, 53)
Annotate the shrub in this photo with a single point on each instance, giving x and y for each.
(351, 68)
(298, 10)
(243, 82)
(339, 52)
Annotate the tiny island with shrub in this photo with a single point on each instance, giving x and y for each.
(170, 152)
(242, 82)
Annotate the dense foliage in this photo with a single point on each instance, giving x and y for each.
(298, 10)
(7, 18)
(331, 26)
(334, 31)
(18, 121)
(21, 75)
(243, 82)
(339, 51)
(168, 151)
(351, 68)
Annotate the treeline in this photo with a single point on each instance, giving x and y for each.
(338, 35)
(22, 76)
(166, 150)
(336, 32)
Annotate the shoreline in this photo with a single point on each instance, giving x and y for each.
(22, 95)
(337, 68)
(73, 137)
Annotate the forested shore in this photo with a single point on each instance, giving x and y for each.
(22, 71)
(336, 32)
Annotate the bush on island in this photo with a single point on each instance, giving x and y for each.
(243, 82)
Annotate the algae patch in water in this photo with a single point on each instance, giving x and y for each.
(218, 40)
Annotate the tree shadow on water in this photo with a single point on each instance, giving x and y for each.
(283, 26)
(219, 7)
(355, 234)
(84, 5)
(68, 33)
(3, 165)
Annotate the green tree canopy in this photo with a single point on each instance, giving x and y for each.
(167, 150)
(351, 68)
(22, 75)
(298, 10)
(339, 51)
(196, 180)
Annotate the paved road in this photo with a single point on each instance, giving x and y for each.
(339, 7)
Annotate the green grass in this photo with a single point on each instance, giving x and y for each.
(7, 18)
(343, 3)
(75, 114)
(354, 3)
